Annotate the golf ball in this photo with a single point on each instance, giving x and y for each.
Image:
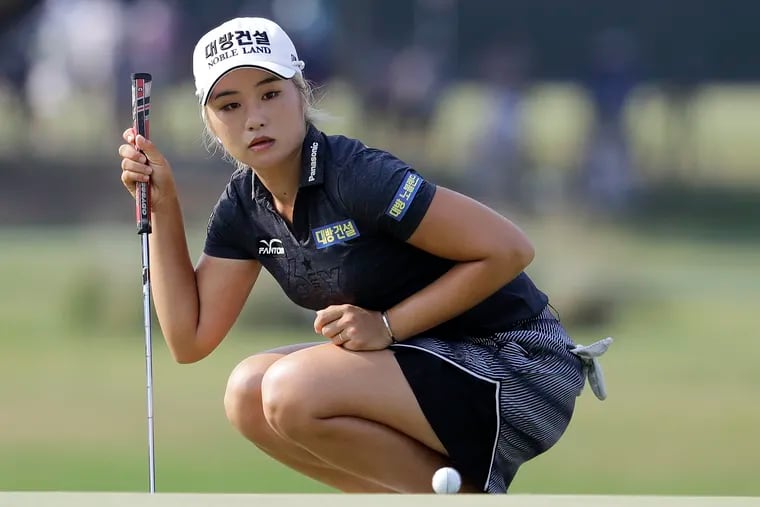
(446, 481)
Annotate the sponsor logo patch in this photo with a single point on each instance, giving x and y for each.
(404, 196)
(337, 232)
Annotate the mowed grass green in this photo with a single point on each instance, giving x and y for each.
(682, 375)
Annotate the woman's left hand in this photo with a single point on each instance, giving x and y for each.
(352, 328)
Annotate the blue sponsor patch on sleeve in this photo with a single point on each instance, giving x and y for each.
(404, 196)
(337, 232)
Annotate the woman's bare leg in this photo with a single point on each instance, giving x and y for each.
(242, 403)
(356, 412)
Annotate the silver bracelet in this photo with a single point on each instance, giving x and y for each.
(388, 327)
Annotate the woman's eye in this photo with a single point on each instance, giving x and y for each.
(230, 106)
(271, 95)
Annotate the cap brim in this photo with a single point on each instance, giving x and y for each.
(274, 68)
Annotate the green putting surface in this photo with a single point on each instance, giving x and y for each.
(30, 499)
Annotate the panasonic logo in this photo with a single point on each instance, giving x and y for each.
(271, 247)
(313, 162)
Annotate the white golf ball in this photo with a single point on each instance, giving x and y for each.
(446, 481)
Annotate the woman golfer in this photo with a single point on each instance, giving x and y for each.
(437, 350)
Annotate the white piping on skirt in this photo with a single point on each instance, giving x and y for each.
(481, 377)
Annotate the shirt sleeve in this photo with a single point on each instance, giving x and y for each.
(384, 193)
(224, 231)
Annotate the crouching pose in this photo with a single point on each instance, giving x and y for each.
(436, 348)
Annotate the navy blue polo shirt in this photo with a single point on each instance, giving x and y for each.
(354, 210)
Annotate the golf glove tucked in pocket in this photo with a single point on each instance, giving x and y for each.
(591, 367)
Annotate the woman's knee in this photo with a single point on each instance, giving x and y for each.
(242, 397)
(289, 400)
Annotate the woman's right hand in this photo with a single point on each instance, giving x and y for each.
(141, 161)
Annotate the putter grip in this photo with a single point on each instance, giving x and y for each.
(141, 123)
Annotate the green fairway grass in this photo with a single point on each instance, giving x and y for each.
(682, 375)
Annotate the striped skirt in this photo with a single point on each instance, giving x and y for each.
(495, 401)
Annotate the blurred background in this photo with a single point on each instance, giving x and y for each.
(621, 136)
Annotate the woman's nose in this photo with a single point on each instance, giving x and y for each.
(255, 119)
(254, 124)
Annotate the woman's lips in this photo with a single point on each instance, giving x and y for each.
(261, 143)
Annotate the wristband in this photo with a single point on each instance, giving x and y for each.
(388, 327)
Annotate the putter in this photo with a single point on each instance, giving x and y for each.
(140, 117)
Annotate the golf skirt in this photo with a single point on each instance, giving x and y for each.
(495, 401)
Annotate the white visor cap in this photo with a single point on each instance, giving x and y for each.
(242, 42)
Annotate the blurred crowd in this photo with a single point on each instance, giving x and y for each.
(400, 75)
